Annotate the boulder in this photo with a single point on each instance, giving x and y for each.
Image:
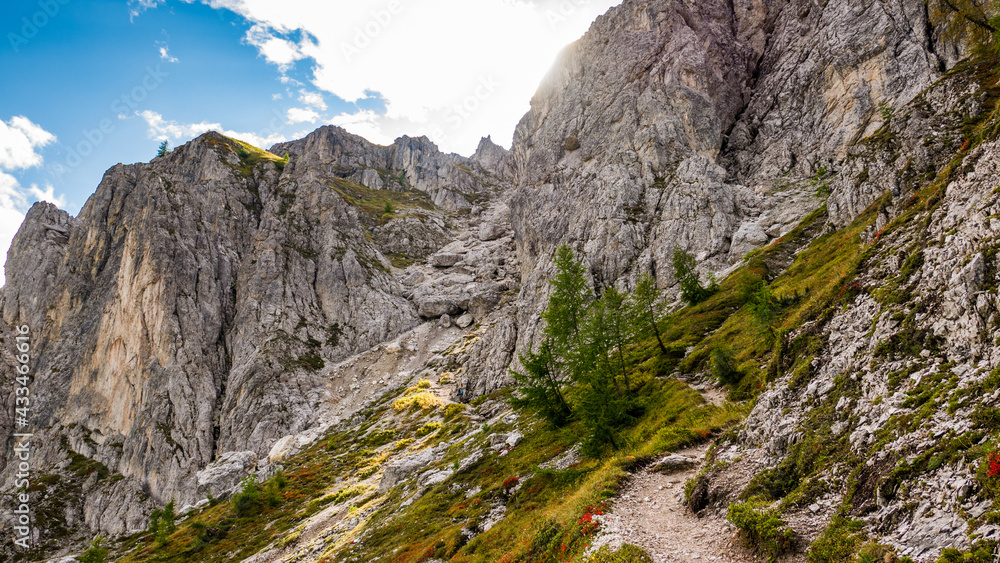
(403, 468)
(225, 473)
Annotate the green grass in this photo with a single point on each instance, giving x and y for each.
(373, 203)
(249, 155)
(760, 527)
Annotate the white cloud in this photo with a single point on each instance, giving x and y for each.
(167, 130)
(365, 123)
(19, 141)
(165, 55)
(314, 99)
(302, 115)
(11, 196)
(48, 194)
(277, 50)
(427, 60)
(136, 7)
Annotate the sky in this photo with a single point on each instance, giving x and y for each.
(91, 83)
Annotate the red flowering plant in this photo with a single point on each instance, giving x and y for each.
(989, 474)
(588, 526)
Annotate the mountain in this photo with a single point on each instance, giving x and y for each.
(338, 318)
(190, 308)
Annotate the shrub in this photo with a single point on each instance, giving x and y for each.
(993, 469)
(248, 500)
(423, 401)
(401, 444)
(988, 473)
(762, 304)
(272, 496)
(722, 361)
(453, 410)
(760, 527)
(625, 554)
(95, 554)
(981, 552)
(428, 428)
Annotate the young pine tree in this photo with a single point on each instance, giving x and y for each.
(619, 328)
(557, 361)
(97, 553)
(541, 386)
(647, 310)
(603, 401)
(571, 297)
(692, 292)
(762, 304)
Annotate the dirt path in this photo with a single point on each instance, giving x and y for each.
(650, 513)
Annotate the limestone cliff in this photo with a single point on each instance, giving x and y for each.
(699, 124)
(191, 307)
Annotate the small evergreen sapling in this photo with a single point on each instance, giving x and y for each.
(692, 291)
(647, 310)
(97, 553)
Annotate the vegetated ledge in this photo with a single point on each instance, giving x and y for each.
(378, 207)
(249, 155)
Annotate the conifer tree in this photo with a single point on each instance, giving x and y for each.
(646, 310)
(557, 360)
(604, 404)
(568, 303)
(692, 292)
(541, 386)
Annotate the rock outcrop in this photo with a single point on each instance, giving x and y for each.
(699, 125)
(190, 309)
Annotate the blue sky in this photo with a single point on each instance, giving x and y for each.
(91, 83)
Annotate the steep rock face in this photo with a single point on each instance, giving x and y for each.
(190, 309)
(887, 417)
(912, 144)
(823, 75)
(651, 84)
(700, 124)
(904, 384)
